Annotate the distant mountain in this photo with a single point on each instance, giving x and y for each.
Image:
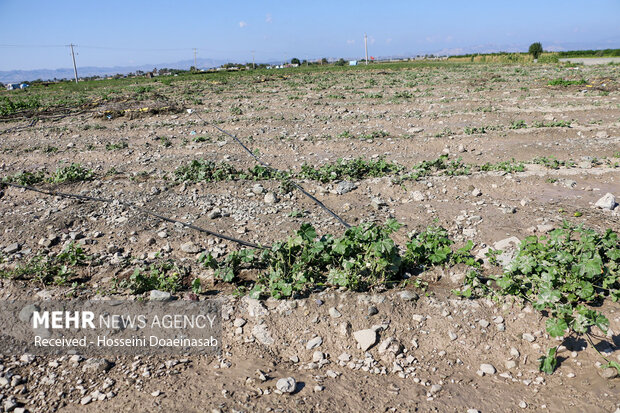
(14, 76)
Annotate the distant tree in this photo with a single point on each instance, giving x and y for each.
(295, 61)
(340, 62)
(535, 49)
(324, 61)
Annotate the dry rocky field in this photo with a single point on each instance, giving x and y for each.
(491, 153)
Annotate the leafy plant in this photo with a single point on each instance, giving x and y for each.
(72, 173)
(563, 275)
(163, 276)
(358, 168)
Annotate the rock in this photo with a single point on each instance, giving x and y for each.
(435, 388)
(372, 310)
(408, 295)
(239, 322)
(97, 365)
(190, 248)
(609, 373)
(334, 313)
(377, 203)
(417, 196)
(255, 307)
(314, 343)
(514, 352)
(271, 198)
(390, 345)
(365, 338)
(483, 323)
(162, 234)
(487, 369)
(286, 385)
(317, 356)
(476, 192)
(214, 213)
(528, 337)
(156, 295)
(27, 358)
(510, 364)
(523, 404)
(415, 130)
(452, 335)
(263, 335)
(345, 187)
(12, 248)
(318, 388)
(606, 202)
(473, 411)
(258, 189)
(86, 399)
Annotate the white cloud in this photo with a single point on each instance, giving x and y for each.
(242, 24)
(350, 41)
(268, 18)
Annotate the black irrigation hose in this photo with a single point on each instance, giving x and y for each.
(128, 204)
(295, 184)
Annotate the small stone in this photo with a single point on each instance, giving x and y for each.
(286, 385)
(514, 352)
(452, 335)
(372, 310)
(12, 248)
(258, 189)
(214, 213)
(473, 411)
(334, 313)
(97, 365)
(435, 388)
(345, 187)
(476, 192)
(162, 234)
(523, 404)
(239, 322)
(314, 343)
(377, 203)
(263, 335)
(606, 202)
(156, 393)
(528, 337)
(510, 364)
(483, 323)
(190, 248)
(317, 356)
(609, 373)
(27, 358)
(86, 399)
(487, 369)
(318, 388)
(417, 196)
(271, 198)
(365, 338)
(157, 295)
(408, 295)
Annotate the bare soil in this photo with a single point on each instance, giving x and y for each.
(302, 117)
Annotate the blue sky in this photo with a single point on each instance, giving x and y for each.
(121, 33)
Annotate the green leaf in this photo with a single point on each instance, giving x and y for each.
(556, 327)
(307, 232)
(549, 362)
(613, 364)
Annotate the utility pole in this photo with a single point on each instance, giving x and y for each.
(74, 66)
(366, 47)
(253, 64)
(195, 65)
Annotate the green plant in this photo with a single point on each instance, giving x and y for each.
(114, 146)
(562, 82)
(517, 124)
(72, 173)
(25, 178)
(358, 168)
(564, 275)
(163, 276)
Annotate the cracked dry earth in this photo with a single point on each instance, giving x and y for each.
(431, 351)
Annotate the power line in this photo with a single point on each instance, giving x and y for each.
(295, 184)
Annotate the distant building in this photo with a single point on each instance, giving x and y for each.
(14, 86)
(352, 62)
